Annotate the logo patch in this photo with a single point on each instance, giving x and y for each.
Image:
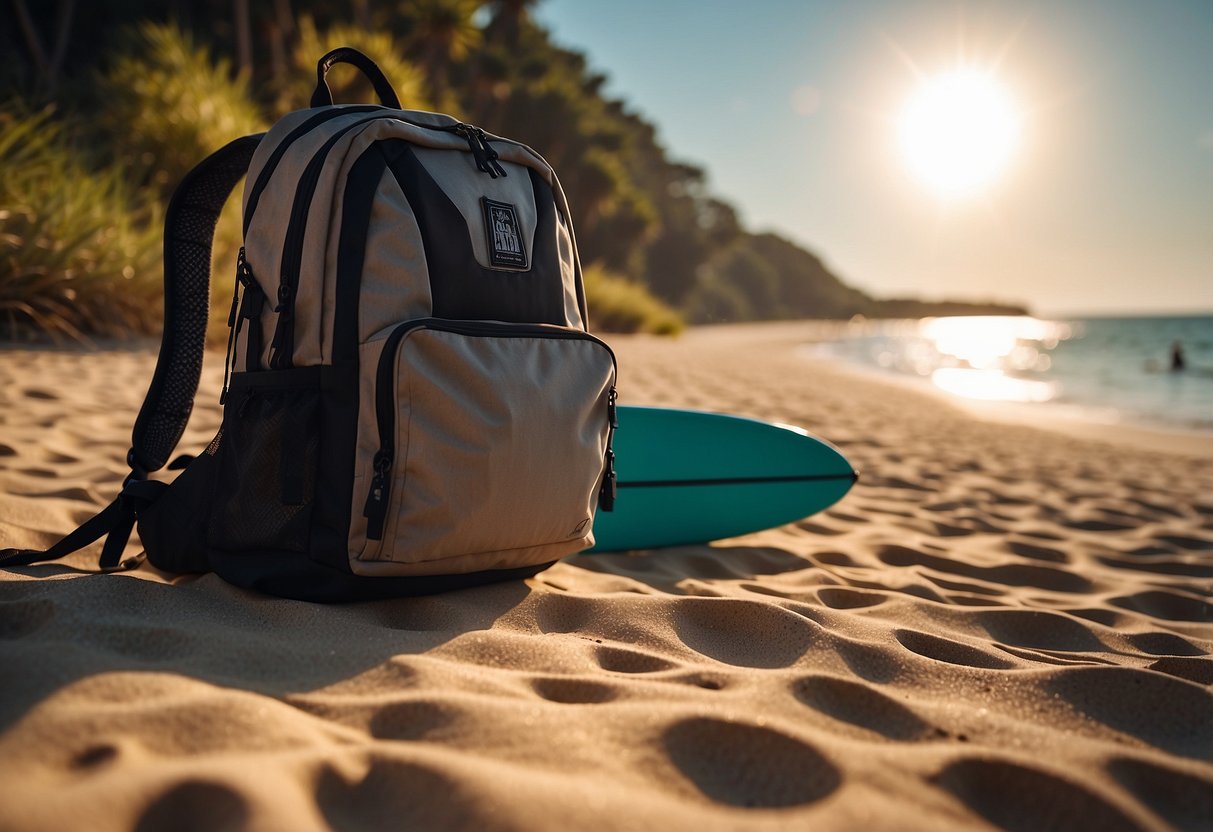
(504, 235)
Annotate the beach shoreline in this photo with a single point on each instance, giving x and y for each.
(805, 337)
(1000, 626)
(1069, 373)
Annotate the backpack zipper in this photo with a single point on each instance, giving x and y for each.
(244, 277)
(375, 510)
(282, 346)
(483, 152)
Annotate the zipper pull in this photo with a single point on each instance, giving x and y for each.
(612, 408)
(495, 168)
(231, 316)
(610, 486)
(375, 510)
(468, 132)
(286, 294)
(233, 329)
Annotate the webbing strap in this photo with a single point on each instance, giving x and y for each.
(189, 230)
(114, 522)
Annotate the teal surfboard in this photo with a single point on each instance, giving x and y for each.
(688, 476)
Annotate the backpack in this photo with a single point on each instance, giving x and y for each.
(411, 399)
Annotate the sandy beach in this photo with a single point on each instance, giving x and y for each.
(999, 627)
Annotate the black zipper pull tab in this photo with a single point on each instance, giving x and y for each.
(469, 134)
(286, 296)
(375, 510)
(233, 321)
(240, 266)
(610, 485)
(490, 155)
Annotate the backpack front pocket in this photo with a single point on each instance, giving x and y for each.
(493, 438)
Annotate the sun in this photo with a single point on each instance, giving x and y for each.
(959, 132)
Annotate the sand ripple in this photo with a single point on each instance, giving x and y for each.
(999, 627)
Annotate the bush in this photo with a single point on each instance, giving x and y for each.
(168, 105)
(617, 304)
(78, 255)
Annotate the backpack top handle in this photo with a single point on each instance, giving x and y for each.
(323, 96)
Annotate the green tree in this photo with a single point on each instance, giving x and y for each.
(441, 34)
(169, 104)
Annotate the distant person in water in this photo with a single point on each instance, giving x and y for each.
(1178, 364)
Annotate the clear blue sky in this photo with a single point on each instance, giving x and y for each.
(792, 108)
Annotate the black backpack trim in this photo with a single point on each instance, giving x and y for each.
(460, 287)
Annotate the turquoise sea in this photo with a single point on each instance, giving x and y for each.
(1111, 370)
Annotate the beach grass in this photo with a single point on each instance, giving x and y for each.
(80, 251)
(617, 304)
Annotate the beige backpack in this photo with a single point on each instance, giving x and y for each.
(414, 402)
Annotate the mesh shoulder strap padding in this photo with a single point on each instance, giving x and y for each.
(189, 229)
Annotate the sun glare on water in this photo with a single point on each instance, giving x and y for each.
(959, 131)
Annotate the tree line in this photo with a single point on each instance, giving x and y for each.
(642, 216)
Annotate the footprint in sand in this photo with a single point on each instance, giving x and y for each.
(1127, 700)
(570, 691)
(410, 720)
(75, 493)
(833, 558)
(23, 617)
(1019, 574)
(95, 756)
(1191, 544)
(1034, 552)
(1094, 524)
(862, 706)
(1195, 670)
(819, 529)
(41, 473)
(840, 598)
(1182, 799)
(1100, 615)
(727, 630)
(1159, 566)
(1039, 629)
(1170, 606)
(207, 805)
(952, 652)
(393, 794)
(749, 766)
(623, 660)
(1163, 644)
(984, 785)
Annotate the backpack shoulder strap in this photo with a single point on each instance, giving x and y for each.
(189, 231)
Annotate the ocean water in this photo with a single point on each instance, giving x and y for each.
(1110, 370)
